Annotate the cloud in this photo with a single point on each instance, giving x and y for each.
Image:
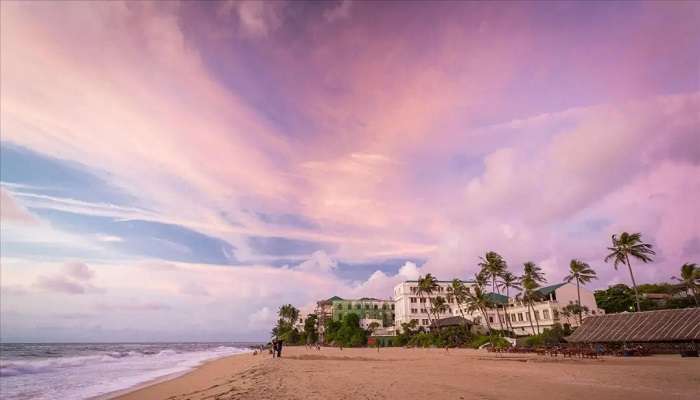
(74, 278)
(12, 212)
(109, 238)
(194, 289)
(257, 18)
(263, 318)
(133, 306)
(341, 11)
(319, 262)
(78, 271)
(59, 284)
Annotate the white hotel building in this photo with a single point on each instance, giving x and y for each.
(546, 312)
(409, 306)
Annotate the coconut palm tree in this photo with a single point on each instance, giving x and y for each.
(458, 292)
(439, 306)
(690, 278)
(532, 271)
(492, 267)
(527, 296)
(582, 273)
(508, 281)
(289, 313)
(627, 245)
(478, 301)
(426, 286)
(531, 279)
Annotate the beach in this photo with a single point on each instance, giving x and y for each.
(398, 373)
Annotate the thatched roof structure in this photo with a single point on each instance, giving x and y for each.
(682, 325)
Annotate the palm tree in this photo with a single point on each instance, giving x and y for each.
(458, 292)
(582, 273)
(532, 271)
(478, 301)
(528, 295)
(426, 286)
(508, 281)
(439, 306)
(492, 267)
(690, 278)
(289, 313)
(531, 279)
(630, 245)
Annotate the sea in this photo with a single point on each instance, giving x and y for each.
(74, 371)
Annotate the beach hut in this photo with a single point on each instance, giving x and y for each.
(679, 328)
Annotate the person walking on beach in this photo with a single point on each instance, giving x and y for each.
(273, 348)
(279, 348)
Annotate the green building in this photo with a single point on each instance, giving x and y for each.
(368, 309)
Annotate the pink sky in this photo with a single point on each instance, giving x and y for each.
(306, 139)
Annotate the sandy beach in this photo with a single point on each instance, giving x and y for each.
(397, 373)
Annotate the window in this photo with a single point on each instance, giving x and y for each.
(508, 317)
(425, 322)
(537, 315)
(413, 300)
(413, 289)
(520, 317)
(491, 319)
(422, 300)
(414, 320)
(358, 306)
(392, 306)
(414, 311)
(512, 318)
(383, 306)
(545, 314)
(423, 310)
(340, 307)
(376, 307)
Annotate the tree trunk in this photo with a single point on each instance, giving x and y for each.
(488, 326)
(498, 315)
(634, 284)
(529, 305)
(427, 310)
(578, 293)
(505, 311)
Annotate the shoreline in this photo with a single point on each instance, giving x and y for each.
(126, 392)
(423, 373)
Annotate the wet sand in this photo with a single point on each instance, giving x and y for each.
(397, 373)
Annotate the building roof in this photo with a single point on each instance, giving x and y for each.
(336, 298)
(450, 321)
(497, 298)
(545, 291)
(330, 300)
(679, 325)
(439, 281)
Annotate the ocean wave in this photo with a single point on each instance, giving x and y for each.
(10, 368)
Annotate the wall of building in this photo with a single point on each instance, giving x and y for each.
(410, 306)
(366, 309)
